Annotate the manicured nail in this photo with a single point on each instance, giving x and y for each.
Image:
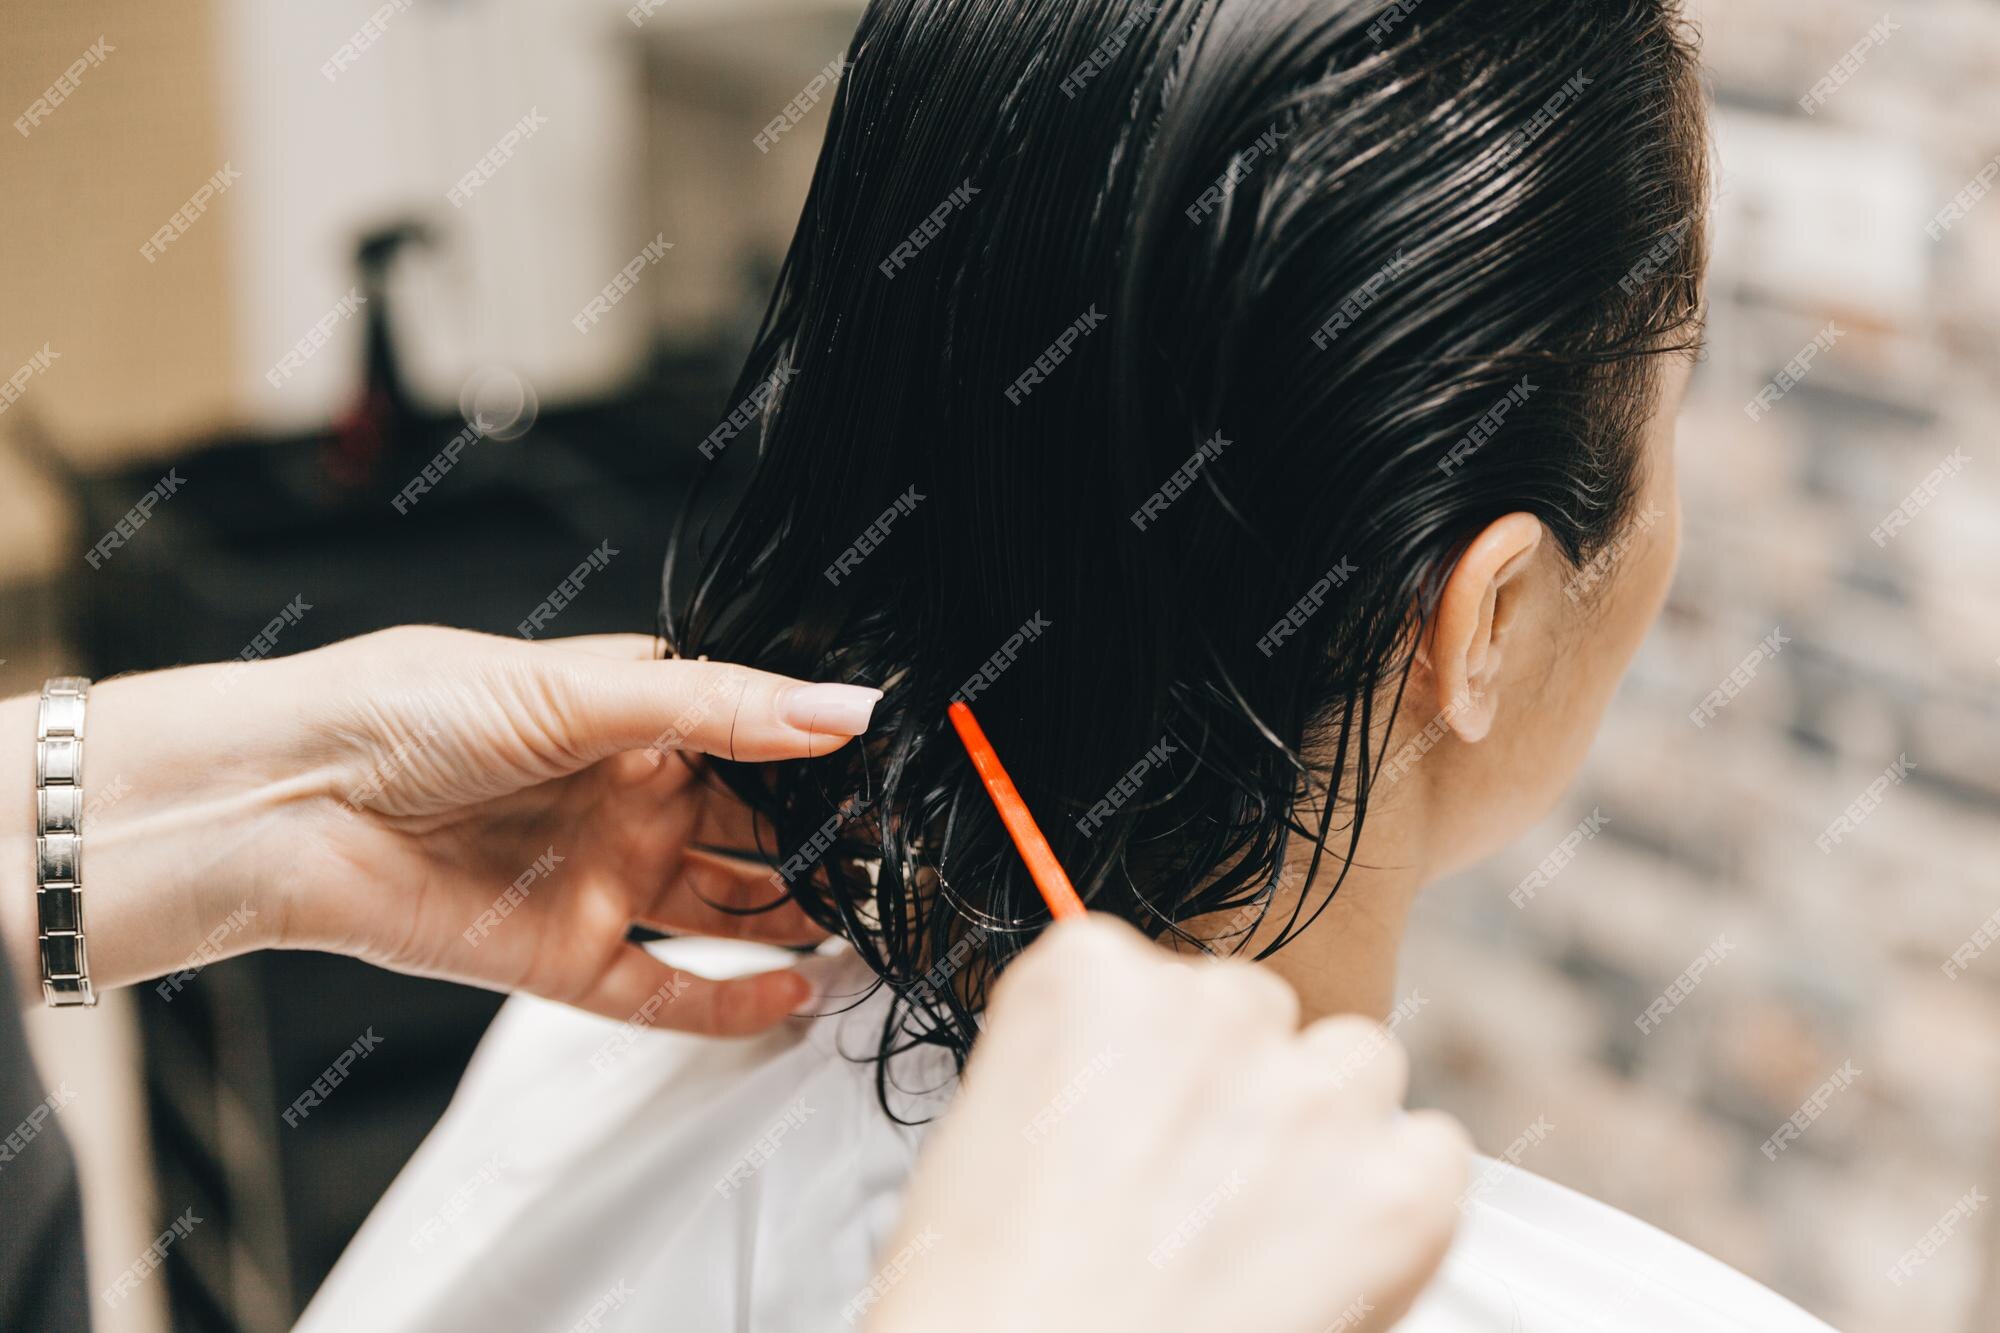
(830, 710)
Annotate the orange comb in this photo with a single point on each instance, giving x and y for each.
(1042, 864)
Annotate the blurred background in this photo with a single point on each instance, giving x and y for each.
(354, 286)
(1890, 651)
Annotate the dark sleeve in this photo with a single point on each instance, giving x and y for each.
(42, 1283)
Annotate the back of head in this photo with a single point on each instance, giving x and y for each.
(1113, 382)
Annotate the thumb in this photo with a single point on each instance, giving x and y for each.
(608, 706)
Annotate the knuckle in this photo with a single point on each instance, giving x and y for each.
(1352, 1029)
(1395, 1057)
(1072, 950)
(1425, 1168)
(703, 703)
(1273, 992)
(729, 702)
(1055, 963)
(547, 706)
(401, 641)
(1440, 1143)
(1408, 1192)
(1358, 1062)
(1247, 996)
(1101, 941)
(1345, 1038)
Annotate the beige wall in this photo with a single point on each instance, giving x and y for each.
(143, 348)
(142, 359)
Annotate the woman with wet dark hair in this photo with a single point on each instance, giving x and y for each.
(1262, 412)
(1210, 393)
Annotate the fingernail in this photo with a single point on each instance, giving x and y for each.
(835, 710)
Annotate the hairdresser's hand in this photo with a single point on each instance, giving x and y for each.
(438, 802)
(1148, 1143)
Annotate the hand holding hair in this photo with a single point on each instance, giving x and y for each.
(450, 804)
(1145, 1142)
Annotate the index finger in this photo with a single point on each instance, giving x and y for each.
(607, 706)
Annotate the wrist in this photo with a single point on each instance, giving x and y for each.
(190, 790)
(187, 803)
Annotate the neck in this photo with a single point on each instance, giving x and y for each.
(1345, 962)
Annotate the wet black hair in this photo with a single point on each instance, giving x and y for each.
(1137, 371)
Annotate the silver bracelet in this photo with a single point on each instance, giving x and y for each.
(59, 842)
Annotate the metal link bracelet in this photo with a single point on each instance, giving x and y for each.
(59, 842)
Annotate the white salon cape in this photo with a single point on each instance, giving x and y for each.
(590, 1177)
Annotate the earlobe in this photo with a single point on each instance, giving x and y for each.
(1476, 611)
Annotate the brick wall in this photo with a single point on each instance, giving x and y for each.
(1887, 666)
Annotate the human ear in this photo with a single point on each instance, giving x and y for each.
(1481, 599)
